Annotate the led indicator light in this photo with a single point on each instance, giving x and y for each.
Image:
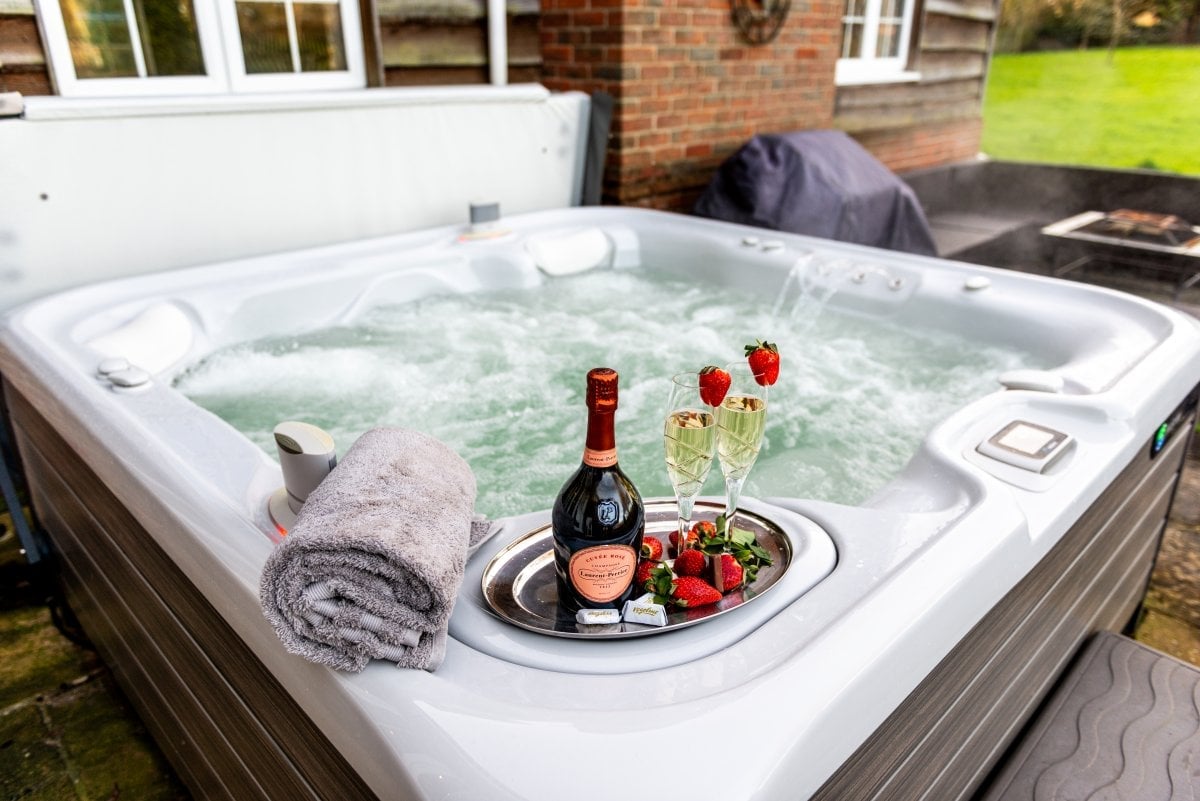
(1160, 437)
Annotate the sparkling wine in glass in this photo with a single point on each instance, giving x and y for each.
(741, 420)
(689, 438)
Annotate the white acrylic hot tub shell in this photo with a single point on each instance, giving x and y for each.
(795, 691)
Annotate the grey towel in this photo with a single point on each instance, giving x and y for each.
(374, 563)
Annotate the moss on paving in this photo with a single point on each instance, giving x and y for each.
(35, 658)
(66, 732)
(1170, 635)
(30, 764)
(107, 750)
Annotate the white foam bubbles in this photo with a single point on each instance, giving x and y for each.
(499, 376)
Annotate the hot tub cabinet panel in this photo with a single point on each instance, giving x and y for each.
(952, 597)
(227, 726)
(232, 732)
(945, 738)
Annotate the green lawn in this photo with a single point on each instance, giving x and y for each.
(1075, 107)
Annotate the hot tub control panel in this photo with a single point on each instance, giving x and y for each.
(1026, 445)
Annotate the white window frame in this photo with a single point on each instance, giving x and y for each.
(870, 68)
(240, 81)
(220, 47)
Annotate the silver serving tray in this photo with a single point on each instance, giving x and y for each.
(520, 587)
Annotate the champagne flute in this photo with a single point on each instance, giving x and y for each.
(689, 438)
(741, 419)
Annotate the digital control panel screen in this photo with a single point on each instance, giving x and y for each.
(1026, 445)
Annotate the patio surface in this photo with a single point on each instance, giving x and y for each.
(67, 732)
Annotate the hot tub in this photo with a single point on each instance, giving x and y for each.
(914, 633)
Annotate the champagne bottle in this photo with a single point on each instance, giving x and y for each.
(598, 518)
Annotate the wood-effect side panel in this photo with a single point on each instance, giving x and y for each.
(148, 680)
(189, 632)
(979, 726)
(143, 646)
(944, 738)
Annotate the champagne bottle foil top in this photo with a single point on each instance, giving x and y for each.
(602, 389)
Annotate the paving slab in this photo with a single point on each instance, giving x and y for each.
(106, 747)
(1170, 635)
(31, 766)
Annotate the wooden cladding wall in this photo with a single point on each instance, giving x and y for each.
(23, 65)
(952, 54)
(441, 43)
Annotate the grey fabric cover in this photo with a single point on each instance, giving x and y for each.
(820, 183)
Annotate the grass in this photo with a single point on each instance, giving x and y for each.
(1141, 109)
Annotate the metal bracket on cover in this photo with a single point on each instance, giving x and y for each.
(33, 549)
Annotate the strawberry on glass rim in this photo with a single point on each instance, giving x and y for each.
(763, 358)
(714, 383)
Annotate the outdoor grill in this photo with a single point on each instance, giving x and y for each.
(1135, 229)
(1128, 239)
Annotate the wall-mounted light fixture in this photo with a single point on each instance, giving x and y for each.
(760, 20)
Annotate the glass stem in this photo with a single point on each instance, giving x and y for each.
(685, 520)
(733, 493)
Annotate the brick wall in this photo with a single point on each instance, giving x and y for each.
(931, 144)
(688, 89)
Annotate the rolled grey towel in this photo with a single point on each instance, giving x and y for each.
(375, 561)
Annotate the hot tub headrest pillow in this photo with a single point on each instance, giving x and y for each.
(376, 558)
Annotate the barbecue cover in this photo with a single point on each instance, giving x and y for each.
(820, 183)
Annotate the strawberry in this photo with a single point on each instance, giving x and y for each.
(691, 539)
(764, 362)
(727, 572)
(702, 530)
(652, 548)
(714, 383)
(641, 577)
(690, 591)
(689, 563)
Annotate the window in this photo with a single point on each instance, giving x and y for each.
(161, 47)
(875, 37)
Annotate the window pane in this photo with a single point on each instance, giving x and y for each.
(264, 31)
(98, 34)
(852, 40)
(319, 29)
(170, 43)
(524, 41)
(888, 43)
(891, 20)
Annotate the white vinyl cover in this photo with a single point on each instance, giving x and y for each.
(92, 190)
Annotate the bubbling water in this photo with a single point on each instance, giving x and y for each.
(499, 377)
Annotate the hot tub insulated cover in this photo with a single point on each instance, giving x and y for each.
(820, 183)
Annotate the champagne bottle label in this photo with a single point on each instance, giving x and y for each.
(602, 573)
(604, 458)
